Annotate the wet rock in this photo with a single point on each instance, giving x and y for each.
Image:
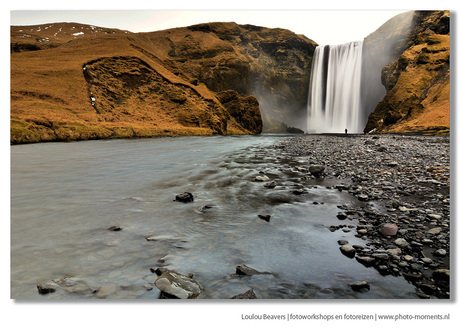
(440, 252)
(247, 295)
(265, 217)
(435, 216)
(412, 277)
(270, 185)
(45, 288)
(363, 197)
(262, 178)
(342, 242)
(298, 192)
(114, 228)
(389, 229)
(428, 288)
(348, 251)
(365, 260)
(341, 216)
(159, 270)
(362, 286)
(422, 295)
(441, 274)
(204, 208)
(316, 170)
(245, 270)
(185, 197)
(178, 285)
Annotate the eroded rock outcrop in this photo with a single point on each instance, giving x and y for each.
(417, 82)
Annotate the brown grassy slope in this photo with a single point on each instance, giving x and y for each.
(51, 94)
(418, 83)
(270, 64)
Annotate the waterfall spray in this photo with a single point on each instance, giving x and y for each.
(334, 95)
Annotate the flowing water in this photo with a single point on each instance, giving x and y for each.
(335, 83)
(64, 196)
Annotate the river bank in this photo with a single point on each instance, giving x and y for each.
(403, 183)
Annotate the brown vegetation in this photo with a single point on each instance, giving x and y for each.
(418, 83)
(71, 81)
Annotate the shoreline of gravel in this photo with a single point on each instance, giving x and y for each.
(402, 184)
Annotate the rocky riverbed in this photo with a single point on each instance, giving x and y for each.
(392, 218)
(402, 186)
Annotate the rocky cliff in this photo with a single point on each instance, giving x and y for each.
(72, 81)
(417, 81)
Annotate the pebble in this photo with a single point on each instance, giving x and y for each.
(435, 231)
(401, 242)
(440, 252)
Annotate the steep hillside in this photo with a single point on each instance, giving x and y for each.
(417, 83)
(71, 81)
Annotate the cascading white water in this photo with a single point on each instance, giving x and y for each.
(334, 95)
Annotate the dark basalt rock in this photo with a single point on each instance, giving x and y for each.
(247, 295)
(185, 197)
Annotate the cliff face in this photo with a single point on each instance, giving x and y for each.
(271, 64)
(417, 82)
(71, 81)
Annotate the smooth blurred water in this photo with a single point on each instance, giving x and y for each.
(64, 196)
(334, 94)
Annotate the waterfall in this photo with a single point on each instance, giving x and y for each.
(334, 95)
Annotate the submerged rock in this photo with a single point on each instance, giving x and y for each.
(178, 285)
(245, 270)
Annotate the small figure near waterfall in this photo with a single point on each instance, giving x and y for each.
(346, 131)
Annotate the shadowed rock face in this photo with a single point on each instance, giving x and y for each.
(271, 64)
(417, 81)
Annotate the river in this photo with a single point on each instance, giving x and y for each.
(65, 196)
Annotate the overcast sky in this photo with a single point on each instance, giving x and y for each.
(324, 27)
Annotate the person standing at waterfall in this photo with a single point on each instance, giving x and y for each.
(346, 131)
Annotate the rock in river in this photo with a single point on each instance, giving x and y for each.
(247, 295)
(185, 197)
(245, 270)
(178, 285)
(348, 250)
(265, 217)
(316, 170)
(362, 286)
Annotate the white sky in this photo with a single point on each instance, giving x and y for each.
(324, 27)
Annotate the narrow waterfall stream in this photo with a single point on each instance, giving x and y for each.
(334, 96)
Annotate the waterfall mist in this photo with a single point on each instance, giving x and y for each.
(380, 48)
(335, 84)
